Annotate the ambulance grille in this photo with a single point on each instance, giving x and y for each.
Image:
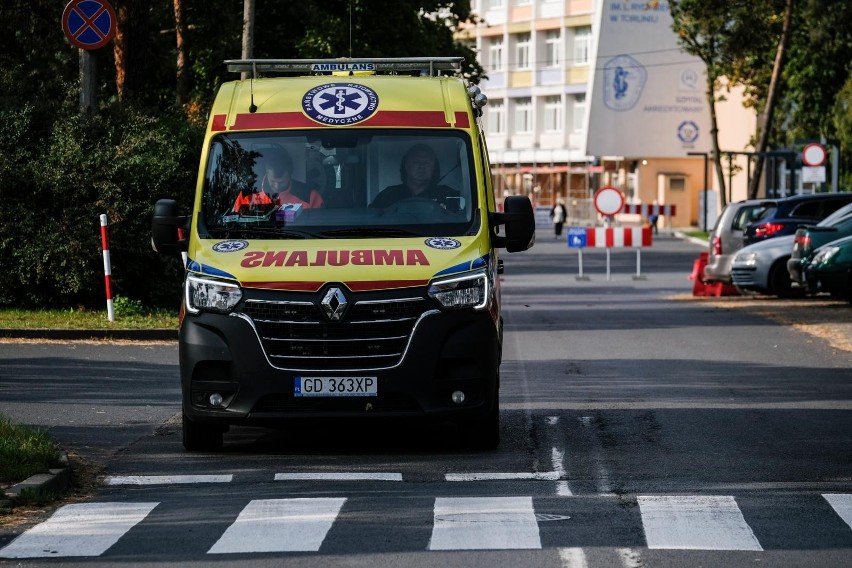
(371, 335)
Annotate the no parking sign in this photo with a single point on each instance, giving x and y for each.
(89, 24)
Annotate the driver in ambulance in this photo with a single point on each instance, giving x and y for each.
(420, 173)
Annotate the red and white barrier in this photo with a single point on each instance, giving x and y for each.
(647, 209)
(618, 237)
(107, 269)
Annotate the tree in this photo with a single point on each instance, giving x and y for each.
(702, 29)
(769, 107)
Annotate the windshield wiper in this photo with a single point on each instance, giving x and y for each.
(259, 232)
(369, 232)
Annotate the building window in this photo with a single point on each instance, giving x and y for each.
(552, 44)
(496, 117)
(523, 115)
(579, 115)
(492, 4)
(553, 114)
(582, 45)
(523, 50)
(495, 54)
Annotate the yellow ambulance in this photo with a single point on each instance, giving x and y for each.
(341, 253)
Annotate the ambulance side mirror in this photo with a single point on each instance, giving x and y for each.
(166, 226)
(519, 222)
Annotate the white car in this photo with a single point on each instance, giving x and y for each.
(762, 268)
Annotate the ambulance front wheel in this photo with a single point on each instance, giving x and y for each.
(199, 437)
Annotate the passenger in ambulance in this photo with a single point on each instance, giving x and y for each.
(420, 172)
(278, 186)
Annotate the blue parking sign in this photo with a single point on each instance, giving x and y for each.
(576, 237)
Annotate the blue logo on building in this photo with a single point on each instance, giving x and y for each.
(624, 80)
(340, 103)
(687, 132)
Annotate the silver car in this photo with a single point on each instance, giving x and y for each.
(727, 238)
(762, 267)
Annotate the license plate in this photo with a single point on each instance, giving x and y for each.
(335, 386)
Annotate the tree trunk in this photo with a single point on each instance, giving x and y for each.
(714, 137)
(777, 69)
(129, 47)
(182, 80)
(248, 32)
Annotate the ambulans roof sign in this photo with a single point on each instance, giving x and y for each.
(89, 24)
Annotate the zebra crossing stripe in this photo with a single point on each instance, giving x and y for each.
(165, 479)
(484, 523)
(695, 523)
(341, 476)
(842, 505)
(280, 525)
(81, 529)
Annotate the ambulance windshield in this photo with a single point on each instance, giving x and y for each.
(340, 183)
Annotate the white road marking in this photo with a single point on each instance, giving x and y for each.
(280, 525)
(484, 523)
(489, 476)
(630, 558)
(695, 523)
(80, 529)
(842, 505)
(165, 479)
(573, 558)
(355, 476)
(557, 458)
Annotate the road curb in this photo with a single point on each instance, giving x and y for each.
(82, 334)
(56, 480)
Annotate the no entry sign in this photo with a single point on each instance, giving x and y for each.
(88, 24)
(609, 201)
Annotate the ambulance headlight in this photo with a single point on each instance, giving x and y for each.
(469, 291)
(210, 295)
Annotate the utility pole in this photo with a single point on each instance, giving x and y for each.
(248, 33)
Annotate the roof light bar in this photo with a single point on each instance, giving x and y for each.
(433, 64)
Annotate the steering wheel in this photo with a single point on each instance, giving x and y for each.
(418, 206)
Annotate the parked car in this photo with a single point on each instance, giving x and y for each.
(783, 216)
(762, 267)
(810, 237)
(830, 269)
(727, 238)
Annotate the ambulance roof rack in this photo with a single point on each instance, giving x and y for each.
(346, 64)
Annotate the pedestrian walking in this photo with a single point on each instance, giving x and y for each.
(558, 214)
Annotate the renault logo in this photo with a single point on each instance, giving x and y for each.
(334, 304)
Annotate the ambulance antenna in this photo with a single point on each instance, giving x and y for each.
(350, 29)
(252, 106)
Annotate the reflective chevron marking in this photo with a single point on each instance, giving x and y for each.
(842, 505)
(81, 529)
(696, 523)
(484, 523)
(280, 525)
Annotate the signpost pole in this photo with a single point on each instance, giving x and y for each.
(88, 81)
(608, 249)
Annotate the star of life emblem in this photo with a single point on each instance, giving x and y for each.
(230, 246)
(340, 103)
(442, 243)
(334, 304)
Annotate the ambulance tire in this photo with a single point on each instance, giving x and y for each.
(201, 437)
(484, 434)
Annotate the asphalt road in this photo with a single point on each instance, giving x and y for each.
(638, 430)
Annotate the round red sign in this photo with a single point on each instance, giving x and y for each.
(89, 24)
(609, 201)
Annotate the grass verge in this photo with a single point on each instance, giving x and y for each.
(24, 451)
(86, 319)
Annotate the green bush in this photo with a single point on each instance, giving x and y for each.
(57, 183)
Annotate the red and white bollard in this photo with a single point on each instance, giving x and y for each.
(107, 269)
